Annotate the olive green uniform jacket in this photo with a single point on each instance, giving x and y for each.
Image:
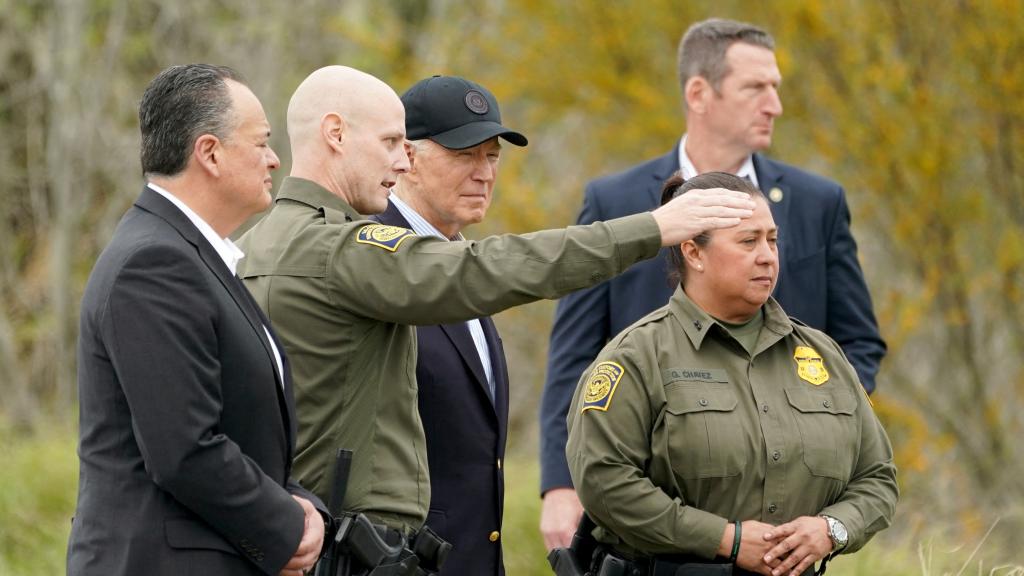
(342, 294)
(676, 430)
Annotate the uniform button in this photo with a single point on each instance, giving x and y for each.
(776, 455)
(702, 402)
(772, 508)
(826, 404)
(764, 408)
(499, 463)
(493, 537)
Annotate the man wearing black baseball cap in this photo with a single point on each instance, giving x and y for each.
(453, 126)
(454, 112)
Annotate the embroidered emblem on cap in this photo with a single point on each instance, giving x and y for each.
(810, 366)
(476, 102)
(601, 386)
(386, 237)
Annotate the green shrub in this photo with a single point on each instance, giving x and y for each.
(38, 481)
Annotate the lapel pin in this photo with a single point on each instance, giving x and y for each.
(775, 195)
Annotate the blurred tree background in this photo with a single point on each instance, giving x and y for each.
(917, 107)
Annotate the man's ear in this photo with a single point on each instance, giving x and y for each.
(332, 129)
(207, 152)
(410, 151)
(696, 94)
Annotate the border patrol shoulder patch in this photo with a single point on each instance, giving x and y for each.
(383, 236)
(601, 386)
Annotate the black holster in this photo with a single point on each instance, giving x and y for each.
(358, 547)
(363, 548)
(580, 553)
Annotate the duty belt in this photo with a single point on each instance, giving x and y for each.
(607, 563)
(364, 548)
(358, 547)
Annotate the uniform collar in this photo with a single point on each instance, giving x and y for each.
(316, 196)
(697, 323)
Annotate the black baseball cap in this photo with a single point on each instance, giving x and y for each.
(455, 113)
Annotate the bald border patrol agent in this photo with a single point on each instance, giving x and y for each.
(343, 292)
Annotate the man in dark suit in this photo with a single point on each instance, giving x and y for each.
(463, 380)
(730, 82)
(186, 420)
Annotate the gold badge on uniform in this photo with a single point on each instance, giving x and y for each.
(601, 386)
(810, 366)
(386, 237)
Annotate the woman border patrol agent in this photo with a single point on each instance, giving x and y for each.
(718, 436)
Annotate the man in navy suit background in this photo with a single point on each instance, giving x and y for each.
(453, 127)
(730, 81)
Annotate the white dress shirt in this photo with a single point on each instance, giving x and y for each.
(224, 247)
(689, 171)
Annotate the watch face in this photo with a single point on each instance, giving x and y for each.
(839, 529)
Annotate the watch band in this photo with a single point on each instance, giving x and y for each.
(837, 533)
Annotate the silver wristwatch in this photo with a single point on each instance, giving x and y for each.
(837, 533)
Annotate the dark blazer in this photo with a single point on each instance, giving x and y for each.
(820, 283)
(465, 434)
(186, 430)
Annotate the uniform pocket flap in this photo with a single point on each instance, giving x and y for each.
(824, 401)
(687, 397)
(190, 534)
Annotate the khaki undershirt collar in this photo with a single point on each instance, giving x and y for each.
(746, 333)
(697, 323)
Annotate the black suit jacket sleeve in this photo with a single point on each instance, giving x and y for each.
(579, 332)
(157, 315)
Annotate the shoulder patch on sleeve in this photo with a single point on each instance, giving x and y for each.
(601, 386)
(382, 236)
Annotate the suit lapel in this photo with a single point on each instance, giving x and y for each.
(769, 178)
(157, 204)
(462, 340)
(500, 372)
(661, 169)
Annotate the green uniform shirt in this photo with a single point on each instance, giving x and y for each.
(342, 294)
(676, 430)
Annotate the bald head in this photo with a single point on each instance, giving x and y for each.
(339, 90)
(347, 130)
